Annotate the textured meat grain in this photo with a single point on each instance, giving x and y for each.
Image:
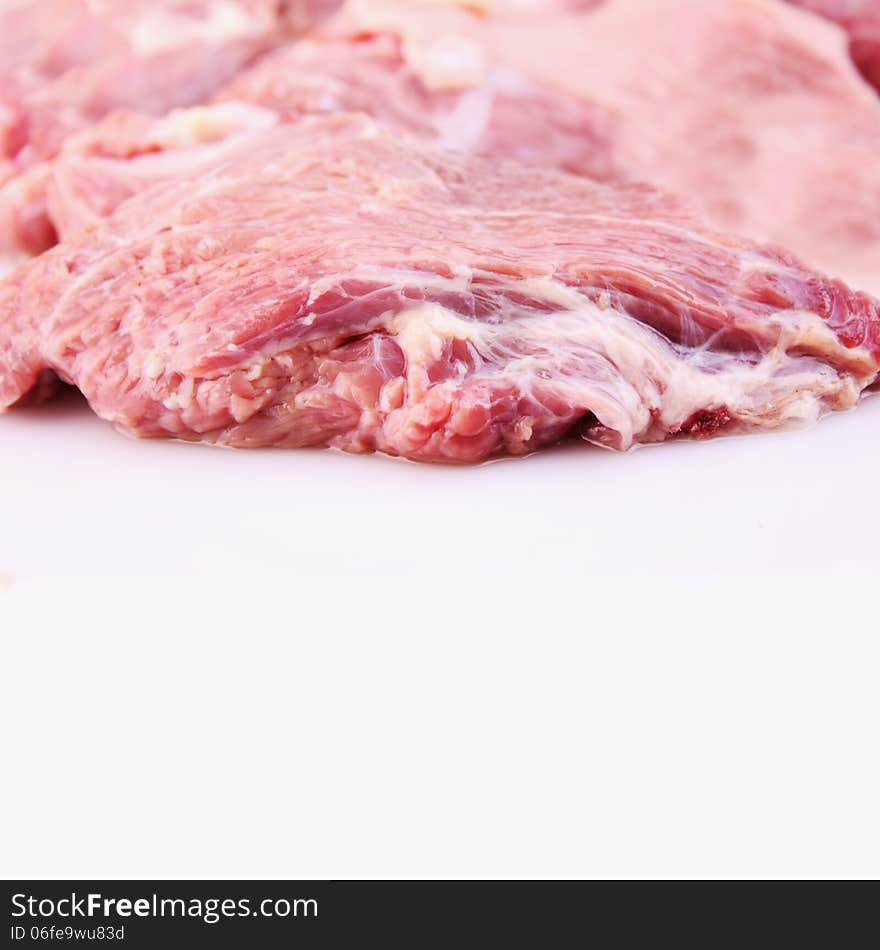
(331, 285)
(101, 167)
(506, 114)
(114, 158)
(749, 108)
(66, 63)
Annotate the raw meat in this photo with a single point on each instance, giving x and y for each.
(748, 107)
(497, 117)
(861, 20)
(328, 283)
(66, 63)
(99, 168)
(783, 140)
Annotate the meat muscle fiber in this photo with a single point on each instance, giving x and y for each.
(67, 63)
(751, 109)
(330, 284)
(106, 164)
(497, 117)
(783, 137)
(505, 114)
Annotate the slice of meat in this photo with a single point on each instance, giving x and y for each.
(106, 164)
(67, 63)
(861, 20)
(748, 107)
(497, 117)
(329, 284)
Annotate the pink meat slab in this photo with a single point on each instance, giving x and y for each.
(329, 284)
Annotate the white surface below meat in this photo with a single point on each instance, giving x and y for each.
(786, 513)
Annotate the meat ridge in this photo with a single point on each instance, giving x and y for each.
(496, 114)
(527, 234)
(749, 108)
(66, 64)
(105, 165)
(101, 166)
(332, 284)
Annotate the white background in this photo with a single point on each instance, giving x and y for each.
(302, 664)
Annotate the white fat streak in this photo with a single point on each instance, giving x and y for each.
(447, 63)
(157, 30)
(464, 127)
(182, 128)
(460, 282)
(631, 377)
(423, 331)
(154, 366)
(391, 277)
(183, 397)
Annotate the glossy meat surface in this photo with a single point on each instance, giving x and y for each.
(750, 109)
(114, 158)
(326, 283)
(66, 63)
